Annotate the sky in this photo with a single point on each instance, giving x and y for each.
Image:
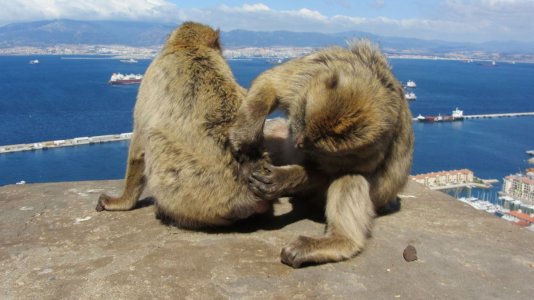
(449, 20)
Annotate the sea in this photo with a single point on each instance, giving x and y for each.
(68, 96)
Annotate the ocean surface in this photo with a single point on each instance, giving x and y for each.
(62, 98)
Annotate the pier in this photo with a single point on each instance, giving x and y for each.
(488, 116)
(126, 136)
(504, 115)
(66, 143)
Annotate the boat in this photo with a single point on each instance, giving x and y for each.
(129, 61)
(275, 60)
(33, 61)
(118, 78)
(411, 84)
(410, 96)
(457, 115)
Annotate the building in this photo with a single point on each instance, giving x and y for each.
(519, 218)
(519, 187)
(445, 178)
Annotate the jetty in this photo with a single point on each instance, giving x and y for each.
(66, 143)
(126, 136)
(502, 115)
(491, 116)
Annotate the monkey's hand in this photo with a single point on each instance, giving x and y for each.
(271, 182)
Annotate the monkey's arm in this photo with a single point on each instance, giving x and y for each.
(271, 182)
(246, 134)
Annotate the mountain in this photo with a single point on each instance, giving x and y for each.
(47, 33)
(129, 33)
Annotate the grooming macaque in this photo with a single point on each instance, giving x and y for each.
(187, 101)
(350, 122)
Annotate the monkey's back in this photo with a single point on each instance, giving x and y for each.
(187, 101)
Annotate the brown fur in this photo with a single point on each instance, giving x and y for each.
(186, 103)
(352, 126)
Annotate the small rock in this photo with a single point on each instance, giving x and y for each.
(410, 253)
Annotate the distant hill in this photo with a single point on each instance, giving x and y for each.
(47, 33)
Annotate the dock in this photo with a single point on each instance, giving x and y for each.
(126, 136)
(66, 143)
(503, 115)
(491, 116)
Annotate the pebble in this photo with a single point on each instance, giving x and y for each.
(410, 253)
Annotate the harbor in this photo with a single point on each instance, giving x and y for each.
(125, 136)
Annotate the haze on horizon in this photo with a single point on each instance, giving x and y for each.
(449, 20)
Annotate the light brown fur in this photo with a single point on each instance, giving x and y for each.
(186, 103)
(352, 126)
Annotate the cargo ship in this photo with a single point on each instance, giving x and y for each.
(457, 115)
(118, 78)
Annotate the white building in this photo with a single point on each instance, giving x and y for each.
(444, 178)
(519, 187)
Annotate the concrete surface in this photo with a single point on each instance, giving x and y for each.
(54, 245)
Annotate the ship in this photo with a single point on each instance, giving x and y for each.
(457, 115)
(34, 62)
(411, 84)
(275, 60)
(118, 78)
(410, 96)
(129, 61)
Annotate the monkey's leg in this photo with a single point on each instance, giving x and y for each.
(349, 213)
(134, 181)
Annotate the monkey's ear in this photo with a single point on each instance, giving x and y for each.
(332, 81)
(214, 40)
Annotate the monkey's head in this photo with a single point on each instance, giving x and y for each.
(346, 113)
(195, 34)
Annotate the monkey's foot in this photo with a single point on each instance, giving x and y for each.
(307, 250)
(106, 202)
(100, 206)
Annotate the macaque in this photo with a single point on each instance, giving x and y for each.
(187, 101)
(352, 127)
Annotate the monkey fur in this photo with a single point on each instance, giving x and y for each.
(186, 103)
(350, 123)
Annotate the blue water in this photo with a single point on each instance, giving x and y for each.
(65, 98)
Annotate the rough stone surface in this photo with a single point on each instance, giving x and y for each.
(54, 245)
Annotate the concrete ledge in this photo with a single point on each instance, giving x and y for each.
(53, 245)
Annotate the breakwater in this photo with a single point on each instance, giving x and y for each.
(490, 116)
(125, 136)
(504, 115)
(66, 143)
